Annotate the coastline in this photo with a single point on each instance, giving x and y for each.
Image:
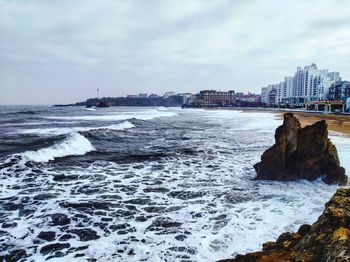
(337, 124)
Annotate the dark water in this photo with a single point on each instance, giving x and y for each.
(142, 184)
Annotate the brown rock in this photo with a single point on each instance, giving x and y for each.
(326, 240)
(301, 153)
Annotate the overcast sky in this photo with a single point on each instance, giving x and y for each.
(61, 51)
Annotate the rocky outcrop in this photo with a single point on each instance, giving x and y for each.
(326, 240)
(301, 153)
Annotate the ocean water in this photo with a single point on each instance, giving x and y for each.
(144, 184)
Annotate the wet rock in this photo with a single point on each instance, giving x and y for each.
(47, 235)
(328, 239)
(59, 219)
(85, 234)
(301, 153)
(53, 247)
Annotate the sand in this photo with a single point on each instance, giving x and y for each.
(336, 123)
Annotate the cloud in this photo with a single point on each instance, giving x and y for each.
(159, 45)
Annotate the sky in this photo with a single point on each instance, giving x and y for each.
(55, 52)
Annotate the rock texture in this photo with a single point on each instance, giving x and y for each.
(301, 153)
(326, 240)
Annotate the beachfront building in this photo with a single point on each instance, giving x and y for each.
(339, 90)
(217, 98)
(312, 84)
(267, 97)
(307, 84)
(249, 97)
(169, 94)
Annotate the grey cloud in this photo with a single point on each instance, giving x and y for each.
(63, 50)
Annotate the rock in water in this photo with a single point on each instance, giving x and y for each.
(301, 153)
(326, 240)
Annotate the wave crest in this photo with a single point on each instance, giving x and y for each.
(75, 144)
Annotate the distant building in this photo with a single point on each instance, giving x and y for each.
(153, 96)
(142, 95)
(273, 96)
(339, 90)
(213, 97)
(266, 94)
(169, 94)
(187, 97)
(312, 83)
(132, 96)
(248, 97)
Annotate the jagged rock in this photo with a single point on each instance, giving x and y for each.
(301, 153)
(326, 240)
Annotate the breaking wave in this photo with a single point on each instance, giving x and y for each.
(75, 144)
(142, 115)
(66, 130)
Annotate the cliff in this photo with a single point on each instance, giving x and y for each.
(172, 101)
(326, 240)
(301, 153)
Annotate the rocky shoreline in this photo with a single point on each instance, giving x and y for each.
(328, 239)
(301, 153)
(306, 153)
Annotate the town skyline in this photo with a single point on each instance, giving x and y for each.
(62, 52)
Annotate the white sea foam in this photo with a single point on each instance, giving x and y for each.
(75, 144)
(234, 215)
(66, 130)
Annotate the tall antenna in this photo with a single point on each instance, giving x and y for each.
(98, 90)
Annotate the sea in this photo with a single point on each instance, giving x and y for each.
(144, 184)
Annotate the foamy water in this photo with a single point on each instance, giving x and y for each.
(172, 188)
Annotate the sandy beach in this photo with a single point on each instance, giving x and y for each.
(336, 123)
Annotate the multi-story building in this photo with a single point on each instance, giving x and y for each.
(312, 83)
(307, 84)
(169, 94)
(213, 97)
(339, 90)
(143, 95)
(266, 94)
(273, 96)
(250, 97)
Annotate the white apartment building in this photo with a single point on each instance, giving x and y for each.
(312, 83)
(266, 91)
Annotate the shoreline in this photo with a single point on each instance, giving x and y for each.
(336, 123)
